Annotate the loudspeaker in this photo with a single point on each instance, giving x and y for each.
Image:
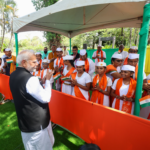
(85, 46)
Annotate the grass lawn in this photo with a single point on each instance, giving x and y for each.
(10, 136)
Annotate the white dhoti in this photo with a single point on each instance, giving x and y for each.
(40, 140)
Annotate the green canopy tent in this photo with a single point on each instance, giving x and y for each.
(74, 17)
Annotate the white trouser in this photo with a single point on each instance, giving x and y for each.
(40, 140)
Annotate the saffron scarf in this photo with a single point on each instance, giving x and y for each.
(37, 74)
(110, 68)
(99, 60)
(127, 106)
(40, 63)
(87, 66)
(77, 91)
(67, 75)
(125, 61)
(61, 62)
(96, 94)
(136, 72)
(50, 56)
(42, 73)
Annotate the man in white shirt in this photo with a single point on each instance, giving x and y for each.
(65, 52)
(31, 103)
(99, 55)
(120, 51)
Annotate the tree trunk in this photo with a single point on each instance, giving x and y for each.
(93, 45)
(134, 36)
(11, 33)
(3, 36)
(122, 36)
(130, 38)
(137, 40)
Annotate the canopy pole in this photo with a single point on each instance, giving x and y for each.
(16, 43)
(70, 44)
(142, 51)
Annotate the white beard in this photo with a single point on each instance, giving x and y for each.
(30, 69)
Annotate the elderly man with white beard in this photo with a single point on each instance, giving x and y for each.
(31, 103)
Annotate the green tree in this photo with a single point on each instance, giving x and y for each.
(51, 38)
(6, 14)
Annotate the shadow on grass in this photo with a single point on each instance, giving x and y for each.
(10, 136)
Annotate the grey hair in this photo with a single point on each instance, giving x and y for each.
(24, 55)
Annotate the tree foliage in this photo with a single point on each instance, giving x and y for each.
(7, 13)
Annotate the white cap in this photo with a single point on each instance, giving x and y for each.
(68, 57)
(82, 52)
(118, 56)
(128, 68)
(133, 56)
(121, 45)
(99, 46)
(7, 49)
(101, 64)
(134, 47)
(38, 53)
(80, 63)
(58, 49)
(45, 61)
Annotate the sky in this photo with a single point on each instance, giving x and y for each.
(26, 7)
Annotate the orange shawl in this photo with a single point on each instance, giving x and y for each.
(42, 73)
(125, 61)
(40, 63)
(136, 72)
(69, 73)
(102, 84)
(127, 106)
(87, 66)
(110, 68)
(101, 55)
(61, 62)
(37, 74)
(77, 91)
(50, 56)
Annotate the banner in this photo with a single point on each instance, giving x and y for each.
(104, 126)
(4, 87)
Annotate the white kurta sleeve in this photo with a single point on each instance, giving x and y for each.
(88, 79)
(109, 82)
(104, 54)
(114, 84)
(2, 63)
(94, 54)
(54, 63)
(35, 89)
(92, 67)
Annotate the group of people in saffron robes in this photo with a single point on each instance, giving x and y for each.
(112, 85)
